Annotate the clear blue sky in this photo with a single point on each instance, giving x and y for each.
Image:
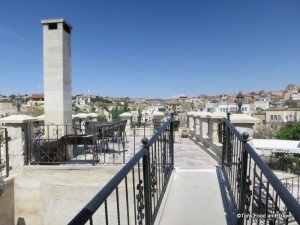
(156, 48)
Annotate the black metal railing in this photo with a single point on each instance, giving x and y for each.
(91, 143)
(220, 135)
(293, 185)
(55, 144)
(4, 155)
(259, 196)
(134, 194)
(139, 131)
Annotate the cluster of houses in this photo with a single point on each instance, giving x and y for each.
(273, 108)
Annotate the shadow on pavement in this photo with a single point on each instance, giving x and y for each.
(227, 198)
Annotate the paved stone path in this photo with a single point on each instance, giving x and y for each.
(194, 195)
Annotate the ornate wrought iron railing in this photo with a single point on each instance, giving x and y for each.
(134, 194)
(92, 143)
(4, 155)
(293, 185)
(259, 196)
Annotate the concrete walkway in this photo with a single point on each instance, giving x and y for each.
(194, 195)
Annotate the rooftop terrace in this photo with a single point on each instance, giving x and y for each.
(212, 177)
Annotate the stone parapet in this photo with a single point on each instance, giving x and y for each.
(128, 117)
(204, 128)
(18, 129)
(244, 123)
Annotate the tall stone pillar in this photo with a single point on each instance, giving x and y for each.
(158, 116)
(190, 120)
(244, 123)
(197, 127)
(197, 118)
(57, 72)
(19, 130)
(128, 117)
(191, 123)
(202, 118)
(213, 128)
(204, 124)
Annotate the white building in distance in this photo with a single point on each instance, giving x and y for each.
(147, 113)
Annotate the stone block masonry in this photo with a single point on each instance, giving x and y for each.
(57, 72)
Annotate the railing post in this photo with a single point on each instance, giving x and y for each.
(243, 186)
(194, 125)
(147, 186)
(6, 153)
(27, 145)
(220, 132)
(172, 141)
(228, 116)
(228, 147)
(224, 142)
(226, 154)
(134, 139)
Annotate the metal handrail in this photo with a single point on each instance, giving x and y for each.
(5, 165)
(84, 215)
(87, 212)
(288, 199)
(160, 130)
(41, 137)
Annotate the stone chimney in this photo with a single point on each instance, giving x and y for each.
(57, 72)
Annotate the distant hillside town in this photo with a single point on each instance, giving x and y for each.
(273, 108)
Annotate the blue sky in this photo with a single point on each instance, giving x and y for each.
(154, 48)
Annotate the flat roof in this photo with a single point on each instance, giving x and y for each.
(59, 20)
(274, 145)
(283, 109)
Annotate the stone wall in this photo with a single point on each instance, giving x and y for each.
(204, 129)
(51, 195)
(8, 108)
(16, 148)
(7, 203)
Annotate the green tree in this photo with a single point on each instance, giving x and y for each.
(139, 119)
(292, 161)
(93, 108)
(102, 118)
(100, 100)
(115, 113)
(289, 132)
(12, 97)
(126, 108)
(35, 111)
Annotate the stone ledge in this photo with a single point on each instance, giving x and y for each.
(202, 115)
(17, 119)
(243, 118)
(73, 167)
(217, 115)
